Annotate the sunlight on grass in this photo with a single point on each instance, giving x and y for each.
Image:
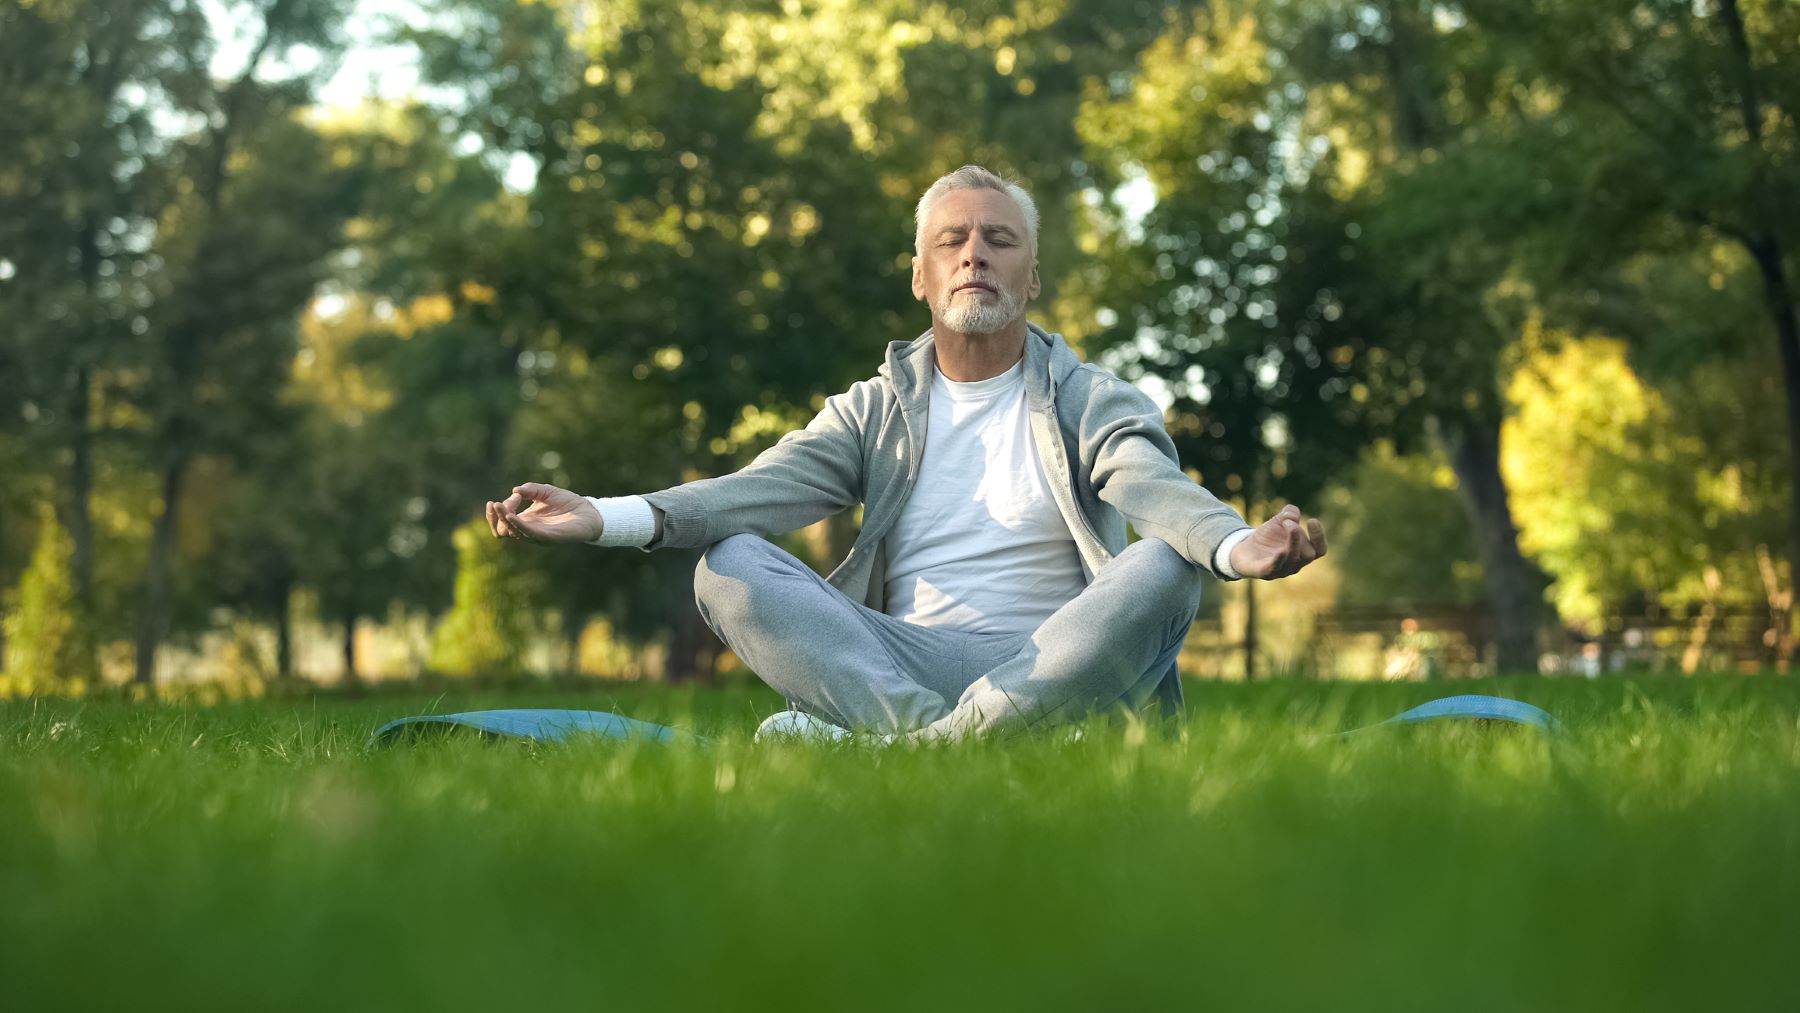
(1645, 860)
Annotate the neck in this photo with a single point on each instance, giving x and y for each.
(965, 358)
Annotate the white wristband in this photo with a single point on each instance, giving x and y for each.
(624, 521)
(1222, 555)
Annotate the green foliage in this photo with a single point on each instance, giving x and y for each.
(1225, 290)
(1622, 490)
(486, 629)
(1357, 208)
(1399, 535)
(18, 498)
(48, 642)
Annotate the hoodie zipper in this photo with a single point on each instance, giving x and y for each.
(872, 542)
(1062, 456)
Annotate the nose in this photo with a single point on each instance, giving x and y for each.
(975, 253)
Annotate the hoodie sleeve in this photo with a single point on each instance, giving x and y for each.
(809, 474)
(1132, 464)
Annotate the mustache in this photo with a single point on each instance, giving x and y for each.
(977, 282)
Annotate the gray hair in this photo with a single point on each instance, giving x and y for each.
(973, 177)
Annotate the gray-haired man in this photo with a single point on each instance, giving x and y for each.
(991, 585)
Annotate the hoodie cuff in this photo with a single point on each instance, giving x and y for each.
(624, 521)
(1222, 555)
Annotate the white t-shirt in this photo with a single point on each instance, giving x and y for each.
(980, 545)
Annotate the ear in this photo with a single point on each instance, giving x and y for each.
(918, 278)
(1036, 284)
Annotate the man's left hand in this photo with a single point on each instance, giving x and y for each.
(1280, 546)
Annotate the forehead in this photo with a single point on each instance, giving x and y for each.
(972, 209)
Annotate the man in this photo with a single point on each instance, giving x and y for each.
(991, 585)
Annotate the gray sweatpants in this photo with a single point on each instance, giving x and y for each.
(853, 666)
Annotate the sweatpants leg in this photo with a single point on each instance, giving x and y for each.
(1106, 646)
(832, 657)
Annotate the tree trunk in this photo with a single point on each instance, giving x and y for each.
(1249, 628)
(153, 610)
(78, 517)
(284, 635)
(1513, 584)
(1766, 251)
(840, 531)
(79, 520)
(687, 635)
(350, 676)
(573, 625)
(499, 412)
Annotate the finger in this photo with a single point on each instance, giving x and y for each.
(1262, 550)
(1292, 558)
(516, 502)
(1274, 529)
(502, 524)
(536, 492)
(493, 519)
(1304, 552)
(1315, 531)
(515, 523)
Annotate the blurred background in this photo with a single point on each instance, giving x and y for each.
(1505, 290)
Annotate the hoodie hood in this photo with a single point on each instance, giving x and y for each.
(1048, 361)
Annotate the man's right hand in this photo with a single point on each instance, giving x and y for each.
(544, 513)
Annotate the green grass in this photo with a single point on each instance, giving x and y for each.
(254, 855)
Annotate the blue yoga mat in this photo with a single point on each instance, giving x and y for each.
(542, 725)
(1470, 707)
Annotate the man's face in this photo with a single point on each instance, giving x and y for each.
(976, 270)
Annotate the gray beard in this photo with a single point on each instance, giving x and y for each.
(983, 316)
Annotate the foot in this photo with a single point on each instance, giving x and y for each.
(799, 726)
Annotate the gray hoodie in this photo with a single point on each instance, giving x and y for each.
(1105, 452)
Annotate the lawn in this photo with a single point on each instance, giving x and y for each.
(255, 855)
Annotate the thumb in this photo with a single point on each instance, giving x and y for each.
(526, 496)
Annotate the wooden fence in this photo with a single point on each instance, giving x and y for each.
(1456, 642)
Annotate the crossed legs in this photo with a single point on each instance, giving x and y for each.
(855, 667)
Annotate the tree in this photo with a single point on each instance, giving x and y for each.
(256, 209)
(1224, 287)
(1227, 282)
(1427, 563)
(83, 173)
(722, 196)
(1636, 495)
(1422, 100)
(486, 629)
(44, 632)
(1670, 124)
